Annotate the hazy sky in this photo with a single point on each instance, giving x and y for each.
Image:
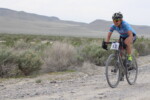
(135, 12)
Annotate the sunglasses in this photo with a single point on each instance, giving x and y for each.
(116, 20)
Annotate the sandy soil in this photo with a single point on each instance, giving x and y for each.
(89, 83)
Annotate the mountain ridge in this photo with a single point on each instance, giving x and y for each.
(29, 23)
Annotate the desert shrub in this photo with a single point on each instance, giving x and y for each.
(142, 47)
(40, 47)
(9, 42)
(59, 56)
(8, 63)
(29, 62)
(21, 45)
(10, 70)
(94, 53)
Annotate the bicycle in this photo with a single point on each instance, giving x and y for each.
(116, 66)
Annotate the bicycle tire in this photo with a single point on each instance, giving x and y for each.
(129, 73)
(112, 62)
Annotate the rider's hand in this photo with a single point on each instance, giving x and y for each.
(104, 45)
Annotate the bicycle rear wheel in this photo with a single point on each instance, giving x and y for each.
(132, 71)
(112, 71)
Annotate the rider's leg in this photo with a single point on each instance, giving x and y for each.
(128, 41)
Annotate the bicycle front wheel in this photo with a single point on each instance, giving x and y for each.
(112, 71)
(132, 71)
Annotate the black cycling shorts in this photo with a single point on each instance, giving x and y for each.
(134, 38)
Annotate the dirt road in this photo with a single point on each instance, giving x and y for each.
(88, 84)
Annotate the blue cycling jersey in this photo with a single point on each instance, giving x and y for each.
(125, 27)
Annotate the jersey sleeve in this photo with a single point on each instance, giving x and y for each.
(112, 28)
(127, 27)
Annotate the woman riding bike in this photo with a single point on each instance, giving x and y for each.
(126, 32)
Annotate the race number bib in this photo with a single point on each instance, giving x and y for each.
(115, 46)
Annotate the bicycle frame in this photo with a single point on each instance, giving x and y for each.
(119, 66)
(121, 61)
(120, 54)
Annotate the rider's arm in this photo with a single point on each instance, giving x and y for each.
(112, 28)
(108, 36)
(128, 28)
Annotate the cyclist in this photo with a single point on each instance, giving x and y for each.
(126, 32)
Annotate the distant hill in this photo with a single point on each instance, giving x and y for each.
(21, 22)
(24, 16)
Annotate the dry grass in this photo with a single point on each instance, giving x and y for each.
(59, 57)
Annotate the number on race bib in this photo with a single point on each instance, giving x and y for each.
(115, 46)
